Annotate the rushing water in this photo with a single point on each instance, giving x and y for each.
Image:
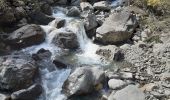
(53, 78)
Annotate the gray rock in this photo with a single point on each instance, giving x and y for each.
(116, 84)
(73, 12)
(102, 5)
(26, 36)
(32, 93)
(115, 28)
(86, 6)
(131, 92)
(83, 80)
(110, 53)
(66, 40)
(89, 20)
(17, 72)
(107, 52)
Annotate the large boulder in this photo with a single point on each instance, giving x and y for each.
(31, 93)
(116, 28)
(131, 92)
(66, 40)
(84, 80)
(17, 72)
(26, 36)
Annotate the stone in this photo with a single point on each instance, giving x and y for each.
(102, 5)
(73, 12)
(26, 36)
(66, 40)
(59, 23)
(42, 54)
(31, 93)
(107, 52)
(116, 84)
(59, 64)
(130, 92)
(149, 87)
(83, 80)
(115, 28)
(17, 72)
(90, 20)
(86, 6)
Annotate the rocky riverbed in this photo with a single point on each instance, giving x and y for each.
(83, 50)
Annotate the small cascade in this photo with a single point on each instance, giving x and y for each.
(53, 80)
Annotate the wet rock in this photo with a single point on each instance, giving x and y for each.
(42, 54)
(116, 84)
(73, 12)
(130, 92)
(59, 23)
(43, 60)
(59, 64)
(89, 20)
(17, 72)
(31, 93)
(91, 33)
(26, 36)
(102, 5)
(66, 40)
(83, 80)
(115, 30)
